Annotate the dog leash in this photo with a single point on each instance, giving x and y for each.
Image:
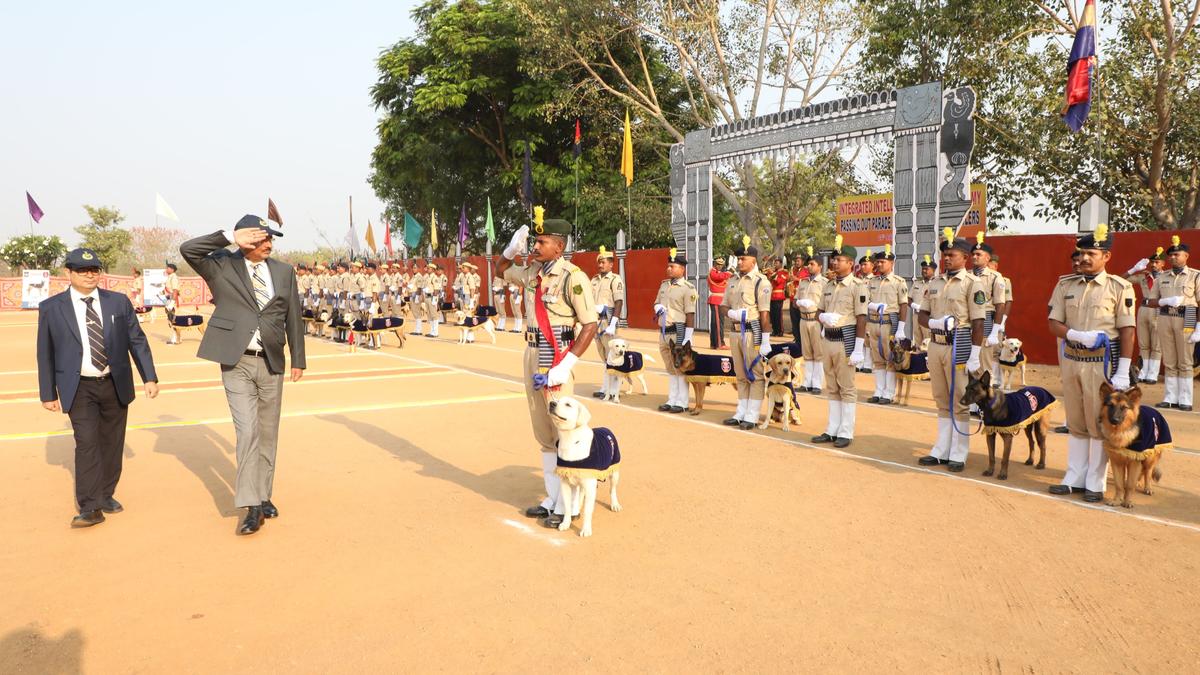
(1102, 343)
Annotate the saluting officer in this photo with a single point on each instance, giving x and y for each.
(843, 316)
(809, 292)
(1175, 297)
(887, 316)
(675, 311)
(1143, 276)
(747, 303)
(609, 291)
(995, 305)
(916, 295)
(557, 291)
(1093, 313)
(953, 309)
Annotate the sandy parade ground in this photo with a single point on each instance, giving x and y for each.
(401, 544)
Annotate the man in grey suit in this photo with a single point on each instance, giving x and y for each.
(257, 312)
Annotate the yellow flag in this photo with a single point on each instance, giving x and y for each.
(370, 237)
(433, 228)
(627, 153)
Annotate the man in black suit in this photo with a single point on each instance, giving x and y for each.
(85, 338)
(257, 313)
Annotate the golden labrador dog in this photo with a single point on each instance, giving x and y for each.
(781, 402)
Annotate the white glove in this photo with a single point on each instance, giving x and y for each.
(659, 309)
(915, 307)
(973, 361)
(942, 323)
(601, 308)
(1141, 265)
(1172, 301)
(830, 319)
(737, 315)
(764, 349)
(1195, 337)
(612, 326)
(806, 304)
(519, 244)
(993, 338)
(1088, 338)
(558, 375)
(856, 356)
(875, 307)
(1120, 381)
(687, 333)
(900, 332)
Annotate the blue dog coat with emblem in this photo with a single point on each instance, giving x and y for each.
(918, 367)
(631, 364)
(604, 456)
(713, 369)
(474, 321)
(1025, 406)
(1153, 437)
(187, 320)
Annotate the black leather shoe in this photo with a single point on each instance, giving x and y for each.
(823, 438)
(538, 511)
(675, 409)
(930, 460)
(112, 506)
(1062, 430)
(253, 520)
(1092, 497)
(840, 442)
(552, 521)
(597, 394)
(815, 391)
(664, 408)
(269, 510)
(1164, 405)
(1184, 408)
(956, 467)
(873, 399)
(1064, 489)
(87, 519)
(885, 401)
(746, 426)
(731, 422)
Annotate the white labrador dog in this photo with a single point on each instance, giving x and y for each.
(467, 333)
(585, 456)
(618, 348)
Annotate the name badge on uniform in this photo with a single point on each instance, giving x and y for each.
(1069, 297)
(549, 299)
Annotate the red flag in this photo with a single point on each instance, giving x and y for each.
(387, 238)
(273, 213)
(578, 137)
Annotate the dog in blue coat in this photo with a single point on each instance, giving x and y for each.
(585, 457)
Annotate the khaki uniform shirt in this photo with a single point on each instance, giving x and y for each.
(1182, 284)
(1008, 296)
(992, 285)
(891, 290)
(1143, 284)
(372, 285)
(679, 297)
(1105, 303)
(751, 292)
(846, 296)
(917, 292)
(958, 294)
(813, 289)
(564, 291)
(473, 283)
(420, 282)
(608, 289)
(172, 282)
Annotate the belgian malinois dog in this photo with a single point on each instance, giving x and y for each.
(1119, 423)
(994, 407)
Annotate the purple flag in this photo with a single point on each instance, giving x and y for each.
(462, 226)
(35, 211)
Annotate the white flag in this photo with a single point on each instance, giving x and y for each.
(352, 242)
(162, 208)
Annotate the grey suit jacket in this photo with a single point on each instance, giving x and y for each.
(237, 314)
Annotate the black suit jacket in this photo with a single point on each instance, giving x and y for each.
(60, 347)
(237, 314)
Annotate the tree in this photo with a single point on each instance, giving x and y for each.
(156, 246)
(102, 235)
(793, 217)
(33, 251)
(733, 61)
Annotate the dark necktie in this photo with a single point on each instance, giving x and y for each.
(95, 335)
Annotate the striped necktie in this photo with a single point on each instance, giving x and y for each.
(260, 286)
(95, 334)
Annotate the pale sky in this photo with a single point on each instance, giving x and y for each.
(214, 105)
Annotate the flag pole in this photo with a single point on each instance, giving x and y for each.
(350, 254)
(577, 228)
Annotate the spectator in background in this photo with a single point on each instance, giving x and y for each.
(779, 279)
(718, 281)
(797, 275)
(137, 290)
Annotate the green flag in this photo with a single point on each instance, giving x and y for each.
(412, 232)
(490, 227)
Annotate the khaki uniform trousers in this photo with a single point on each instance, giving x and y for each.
(940, 362)
(1081, 397)
(1176, 350)
(1147, 333)
(875, 333)
(744, 352)
(664, 350)
(544, 431)
(839, 374)
(812, 341)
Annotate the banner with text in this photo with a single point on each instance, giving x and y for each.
(866, 220)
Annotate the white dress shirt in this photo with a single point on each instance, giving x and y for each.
(264, 273)
(86, 368)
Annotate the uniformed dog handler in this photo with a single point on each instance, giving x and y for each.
(843, 316)
(675, 312)
(747, 303)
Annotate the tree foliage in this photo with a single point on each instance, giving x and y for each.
(103, 235)
(33, 252)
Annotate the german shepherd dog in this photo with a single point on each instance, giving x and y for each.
(900, 361)
(979, 391)
(1119, 414)
(688, 360)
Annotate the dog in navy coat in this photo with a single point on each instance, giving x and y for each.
(585, 457)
